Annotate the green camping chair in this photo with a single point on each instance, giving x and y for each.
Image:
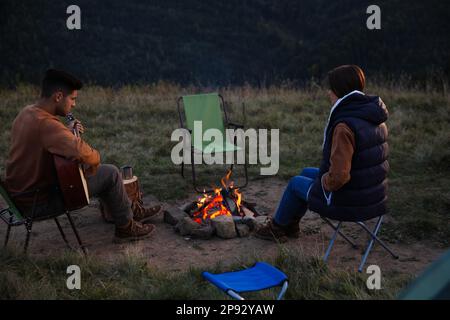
(207, 109)
(12, 216)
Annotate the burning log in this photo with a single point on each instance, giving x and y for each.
(222, 212)
(247, 212)
(225, 201)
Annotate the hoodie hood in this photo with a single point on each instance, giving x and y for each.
(368, 108)
(357, 105)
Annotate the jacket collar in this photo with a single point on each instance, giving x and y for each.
(335, 105)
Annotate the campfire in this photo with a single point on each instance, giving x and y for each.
(222, 212)
(224, 201)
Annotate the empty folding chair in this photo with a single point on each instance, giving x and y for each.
(207, 109)
(259, 277)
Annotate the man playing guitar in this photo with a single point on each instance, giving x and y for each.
(37, 134)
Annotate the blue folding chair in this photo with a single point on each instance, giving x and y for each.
(373, 238)
(259, 277)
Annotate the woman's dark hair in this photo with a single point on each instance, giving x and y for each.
(345, 79)
(55, 80)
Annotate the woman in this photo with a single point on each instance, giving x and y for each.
(351, 183)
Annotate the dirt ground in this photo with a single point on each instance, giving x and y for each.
(168, 250)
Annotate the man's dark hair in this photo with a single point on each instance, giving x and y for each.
(55, 80)
(345, 79)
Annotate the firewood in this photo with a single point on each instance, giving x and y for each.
(247, 212)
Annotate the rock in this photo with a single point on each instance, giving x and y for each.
(173, 215)
(186, 226)
(224, 226)
(242, 230)
(250, 222)
(261, 221)
(237, 219)
(188, 206)
(264, 211)
(204, 232)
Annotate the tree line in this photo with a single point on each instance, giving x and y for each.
(214, 42)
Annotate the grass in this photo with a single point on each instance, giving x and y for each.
(132, 125)
(133, 277)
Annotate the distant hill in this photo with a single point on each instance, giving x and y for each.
(221, 42)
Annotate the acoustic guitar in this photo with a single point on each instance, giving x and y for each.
(72, 182)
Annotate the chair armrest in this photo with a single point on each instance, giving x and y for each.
(12, 219)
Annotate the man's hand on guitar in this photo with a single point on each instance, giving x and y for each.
(77, 125)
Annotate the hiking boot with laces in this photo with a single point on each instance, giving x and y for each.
(141, 214)
(133, 231)
(271, 231)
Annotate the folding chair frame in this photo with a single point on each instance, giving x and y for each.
(237, 296)
(13, 221)
(261, 276)
(373, 238)
(227, 125)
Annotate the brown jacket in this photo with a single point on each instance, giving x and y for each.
(342, 149)
(35, 136)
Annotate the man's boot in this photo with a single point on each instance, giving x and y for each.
(133, 231)
(141, 213)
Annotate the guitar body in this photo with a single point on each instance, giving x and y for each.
(72, 183)
(71, 178)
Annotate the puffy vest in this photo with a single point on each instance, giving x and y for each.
(364, 196)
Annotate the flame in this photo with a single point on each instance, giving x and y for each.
(211, 206)
(225, 179)
(239, 198)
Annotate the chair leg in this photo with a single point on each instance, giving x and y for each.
(28, 227)
(182, 169)
(370, 244)
(76, 233)
(235, 295)
(245, 166)
(374, 238)
(354, 245)
(283, 290)
(8, 230)
(246, 175)
(333, 239)
(63, 235)
(194, 181)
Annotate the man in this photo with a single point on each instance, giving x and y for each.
(351, 183)
(37, 134)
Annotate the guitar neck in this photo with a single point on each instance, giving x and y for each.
(71, 118)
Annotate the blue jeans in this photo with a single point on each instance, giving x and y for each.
(294, 202)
